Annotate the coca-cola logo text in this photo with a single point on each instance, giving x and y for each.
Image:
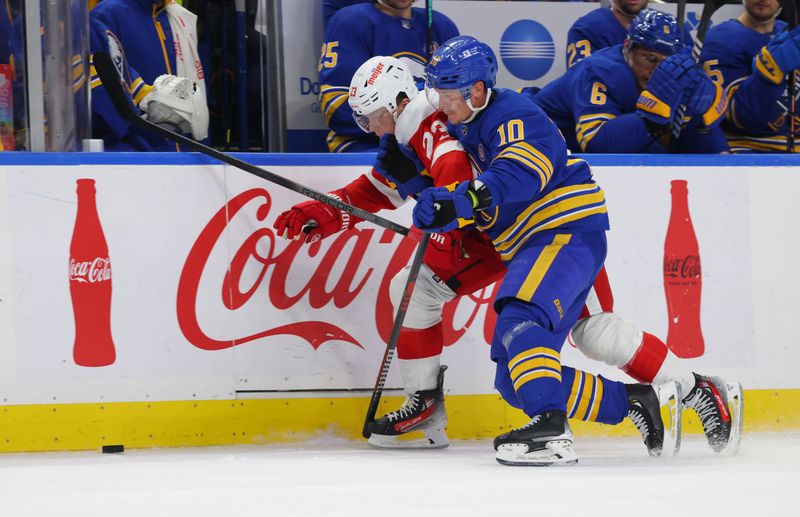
(275, 267)
(682, 267)
(90, 271)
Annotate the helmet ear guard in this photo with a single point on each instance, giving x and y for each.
(380, 82)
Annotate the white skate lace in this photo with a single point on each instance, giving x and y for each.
(639, 421)
(706, 410)
(406, 410)
(533, 422)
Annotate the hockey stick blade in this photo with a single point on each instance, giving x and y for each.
(113, 86)
(400, 316)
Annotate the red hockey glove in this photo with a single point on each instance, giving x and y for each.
(313, 220)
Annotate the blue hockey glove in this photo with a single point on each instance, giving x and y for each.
(779, 57)
(706, 99)
(394, 165)
(665, 89)
(442, 209)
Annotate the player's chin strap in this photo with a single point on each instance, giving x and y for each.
(475, 110)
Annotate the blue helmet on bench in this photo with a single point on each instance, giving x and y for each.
(656, 31)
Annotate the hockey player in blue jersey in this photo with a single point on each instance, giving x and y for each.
(751, 56)
(624, 99)
(143, 28)
(547, 219)
(170, 101)
(329, 8)
(357, 33)
(601, 28)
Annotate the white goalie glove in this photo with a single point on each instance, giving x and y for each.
(176, 101)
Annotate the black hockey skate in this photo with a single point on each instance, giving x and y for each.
(546, 440)
(722, 425)
(422, 411)
(644, 410)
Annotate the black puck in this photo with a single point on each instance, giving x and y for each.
(113, 448)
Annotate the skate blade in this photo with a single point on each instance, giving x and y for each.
(669, 398)
(555, 453)
(418, 439)
(736, 405)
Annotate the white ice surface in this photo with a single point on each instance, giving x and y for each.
(337, 478)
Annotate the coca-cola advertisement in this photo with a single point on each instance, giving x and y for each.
(90, 283)
(176, 286)
(683, 279)
(319, 312)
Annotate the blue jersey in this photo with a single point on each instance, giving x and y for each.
(143, 29)
(593, 31)
(329, 8)
(536, 190)
(594, 106)
(107, 124)
(5, 36)
(355, 34)
(597, 30)
(756, 115)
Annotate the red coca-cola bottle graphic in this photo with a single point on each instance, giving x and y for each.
(90, 283)
(682, 278)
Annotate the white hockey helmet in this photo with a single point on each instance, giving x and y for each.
(377, 84)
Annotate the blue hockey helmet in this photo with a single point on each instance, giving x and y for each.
(656, 31)
(459, 63)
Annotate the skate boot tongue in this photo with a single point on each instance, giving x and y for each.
(545, 440)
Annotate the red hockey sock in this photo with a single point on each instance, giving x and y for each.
(419, 343)
(646, 362)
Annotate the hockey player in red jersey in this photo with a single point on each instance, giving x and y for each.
(456, 263)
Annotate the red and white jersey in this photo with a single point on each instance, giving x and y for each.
(424, 130)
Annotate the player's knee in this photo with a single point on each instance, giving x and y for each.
(397, 285)
(605, 337)
(430, 294)
(522, 323)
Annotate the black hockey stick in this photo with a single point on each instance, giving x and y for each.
(388, 355)
(408, 290)
(681, 19)
(709, 8)
(789, 12)
(429, 10)
(113, 86)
